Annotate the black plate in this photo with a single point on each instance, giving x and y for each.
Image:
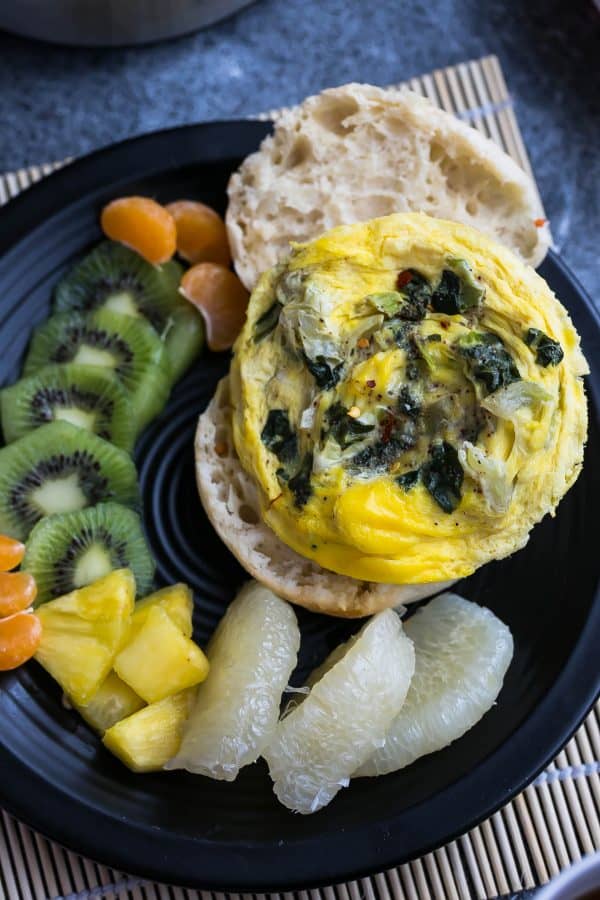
(55, 774)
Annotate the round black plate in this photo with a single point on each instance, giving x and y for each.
(55, 774)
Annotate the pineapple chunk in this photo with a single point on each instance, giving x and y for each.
(176, 600)
(159, 660)
(149, 738)
(83, 631)
(113, 701)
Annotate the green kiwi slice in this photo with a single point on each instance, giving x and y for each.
(88, 397)
(114, 277)
(60, 468)
(70, 550)
(129, 347)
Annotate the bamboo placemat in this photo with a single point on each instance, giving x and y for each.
(546, 828)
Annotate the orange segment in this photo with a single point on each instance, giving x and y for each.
(11, 553)
(17, 591)
(143, 225)
(20, 637)
(221, 298)
(201, 233)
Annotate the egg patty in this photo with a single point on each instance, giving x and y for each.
(408, 398)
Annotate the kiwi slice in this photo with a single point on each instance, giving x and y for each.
(129, 347)
(70, 550)
(60, 468)
(88, 397)
(114, 277)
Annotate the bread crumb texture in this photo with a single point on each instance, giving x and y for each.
(357, 152)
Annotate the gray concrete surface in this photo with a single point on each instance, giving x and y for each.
(57, 101)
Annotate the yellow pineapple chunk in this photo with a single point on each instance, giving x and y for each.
(159, 660)
(83, 631)
(176, 600)
(113, 701)
(151, 737)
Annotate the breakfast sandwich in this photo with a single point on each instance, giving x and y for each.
(405, 402)
(405, 399)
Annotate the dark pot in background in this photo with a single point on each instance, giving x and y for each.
(106, 23)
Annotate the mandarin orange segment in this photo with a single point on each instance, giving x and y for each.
(221, 298)
(11, 553)
(201, 233)
(17, 591)
(143, 225)
(20, 637)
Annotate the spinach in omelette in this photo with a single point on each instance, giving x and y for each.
(396, 391)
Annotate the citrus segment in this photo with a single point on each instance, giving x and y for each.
(11, 553)
(20, 637)
(201, 233)
(143, 225)
(17, 591)
(462, 654)
(221, 298)
(252, 654)
(345, 717)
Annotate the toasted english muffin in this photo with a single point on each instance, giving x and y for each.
(230, 499)
(356, 152)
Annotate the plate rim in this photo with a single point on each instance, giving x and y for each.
(109, 840)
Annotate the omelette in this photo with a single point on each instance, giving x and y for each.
(408, 399)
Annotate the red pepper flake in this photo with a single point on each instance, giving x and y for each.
(371, 383)
(539, 222)
(362, 343)
(444, 324)
(403, 278)
(221, 448)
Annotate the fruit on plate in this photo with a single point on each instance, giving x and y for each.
(150, 737)
(18, 590)
(20, 637)
(83, 631)
(142, 224)
(176, 600)
(222, 299)
(158, 661)
(462, 653)
(252, 655)
(88, 397)
(20, 630)
(126, 346)
(68, 551)
(59, 468)
(114, 277)
(11, 553)
(344, 718)
(114, 700)
(201, 233)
